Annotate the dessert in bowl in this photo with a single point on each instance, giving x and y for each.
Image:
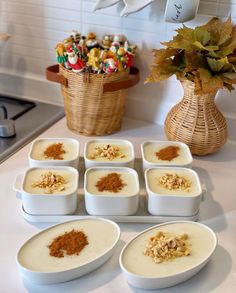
(173, 191)
(109, 152)
(186, 248)
(54, 151)
(165, 153)
(111, 191)
(51, 256)
(49, 190)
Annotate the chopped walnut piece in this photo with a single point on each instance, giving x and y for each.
(174, 181)
(107, 151)
(164, 247)
(50, 182)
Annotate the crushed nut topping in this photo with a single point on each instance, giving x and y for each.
(107, 151)
(50, 182)
(164, 247)
(174, 181)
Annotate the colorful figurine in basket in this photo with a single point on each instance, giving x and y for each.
(74, 62)
(110, 65)
(94, 60)
(109, 55)
(61, 54)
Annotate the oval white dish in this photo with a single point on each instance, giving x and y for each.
(36, 265)
(69, 158)
(142, 272)
(124, 159)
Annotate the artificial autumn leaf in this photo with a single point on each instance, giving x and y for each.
(207, 48)
(202, 55)
(162, 72)
(229, 87)
(209, 82)
(195, 60)
(231, 76)
(162, 54)
(217, 65)
(179, 42)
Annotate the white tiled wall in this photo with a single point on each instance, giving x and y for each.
(37, 25)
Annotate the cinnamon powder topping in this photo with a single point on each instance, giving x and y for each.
(69, 243)
(55, 151)
(168, 153)
(112, 182)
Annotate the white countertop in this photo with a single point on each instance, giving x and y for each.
(218, 210)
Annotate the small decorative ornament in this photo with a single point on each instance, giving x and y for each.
(74, 62)
(61, 54)
(109, 65)
(94, 59)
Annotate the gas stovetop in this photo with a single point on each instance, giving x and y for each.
(30, 119)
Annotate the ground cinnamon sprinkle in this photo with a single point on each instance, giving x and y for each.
(168, 153)
(111, 182)
(69, 243)
(55, 151)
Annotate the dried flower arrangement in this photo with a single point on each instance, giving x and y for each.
(205, 55)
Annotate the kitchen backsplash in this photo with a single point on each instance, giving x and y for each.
(36, 27)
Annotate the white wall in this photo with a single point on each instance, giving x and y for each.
(37, 25)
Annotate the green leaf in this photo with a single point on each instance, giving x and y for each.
(209, 82)
(207, 48)
(230, 76)
(163, 54)
(162, 71)
(216, 65)
(202, 35)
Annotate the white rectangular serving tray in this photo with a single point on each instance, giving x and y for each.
(142, 215)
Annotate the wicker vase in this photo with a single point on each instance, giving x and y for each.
(196, 121)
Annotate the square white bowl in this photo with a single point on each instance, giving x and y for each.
(125, 146)
(39, 202)
(124, 202)
(149, 148)
(164, 202)
(70, 158)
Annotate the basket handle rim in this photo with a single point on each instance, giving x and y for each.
(52, 74)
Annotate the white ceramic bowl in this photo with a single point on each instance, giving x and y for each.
(36, 202)
(36, 265)
(70, 158)
(124, 202)
(149, 149)
(126, 149)
(142, 272)
(164, 202)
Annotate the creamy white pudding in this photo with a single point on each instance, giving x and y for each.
(149, 150)
(130, 188)
(123, 154)
(153, 181)
(34, 175)
(202, 241)
(101, 235)
(69, 146)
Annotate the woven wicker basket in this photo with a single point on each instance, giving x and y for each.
(94, 103)
(196, 121)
